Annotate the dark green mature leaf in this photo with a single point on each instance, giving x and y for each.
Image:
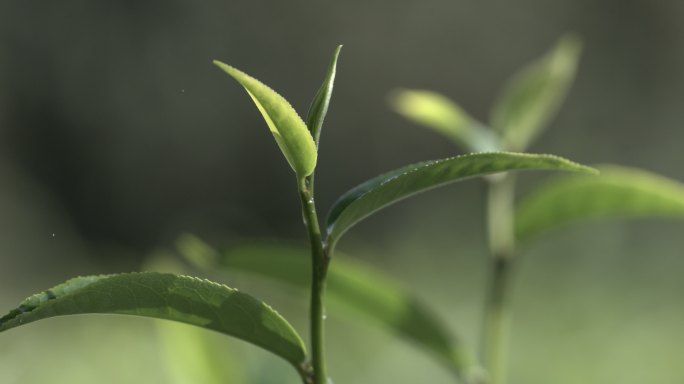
(439, 113)
(192, 354)
(393, 186)
(320, 103)
(352, 285)
(165, 296)
(289, 130)
(533, 96)
(619, 192)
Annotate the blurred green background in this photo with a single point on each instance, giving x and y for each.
(117, 135)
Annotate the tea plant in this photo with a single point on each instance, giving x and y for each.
(217, 307)
(526, 105)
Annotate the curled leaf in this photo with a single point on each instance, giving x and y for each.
(319, 106)
(289, 130)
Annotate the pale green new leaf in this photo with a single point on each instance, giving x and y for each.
(439, 113)
(362, 290)
(193, 355)
(619, 192)
(386, 189)
(166, 296)
(533, 95)
(290, 132)
(320, 103)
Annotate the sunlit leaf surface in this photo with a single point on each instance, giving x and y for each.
(289, 130)
(436, 111)
(165, 296)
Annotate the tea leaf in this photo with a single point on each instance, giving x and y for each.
(319, 105)
(165, 296)
(361, 290)
(290, 132)
(439, 113)
(192, 355)
(533, 95)
(386, 189)
(619, 192)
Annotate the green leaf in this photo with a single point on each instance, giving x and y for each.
(290, 132)
(361, 290)
(165, 296)
(386, 189)
(320, 103)
(193, 355)
(618, 192)
(439, 113)
(533, 95)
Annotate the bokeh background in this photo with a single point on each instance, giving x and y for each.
(117, 135)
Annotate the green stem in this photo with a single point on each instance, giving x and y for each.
(319, 262)
(495, 333)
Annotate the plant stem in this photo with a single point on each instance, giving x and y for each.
(319, 263)
(501, 246)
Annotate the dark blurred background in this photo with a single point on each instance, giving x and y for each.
(117, 135)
